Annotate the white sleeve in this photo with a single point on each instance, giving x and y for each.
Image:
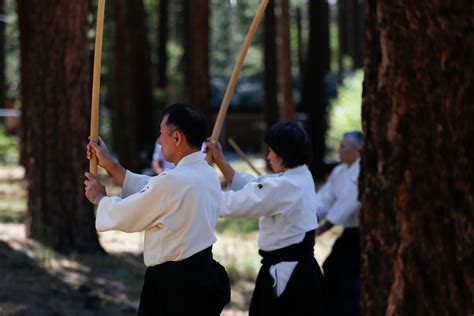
(133, 183)
(240, 180)
(138, 211)
(345, 206)
(269, 197)
(325, 198)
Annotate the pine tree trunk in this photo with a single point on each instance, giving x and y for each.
(314, 97)
(198, 91)
(416, 180)
(2, 56)
(136, 121)
(162, 41)
(270, 106)
(56, 87)
(285, 76)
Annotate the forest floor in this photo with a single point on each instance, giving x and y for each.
(36, 280)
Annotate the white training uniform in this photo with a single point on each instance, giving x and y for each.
(177, 210)
(285, 203)
(337, 200)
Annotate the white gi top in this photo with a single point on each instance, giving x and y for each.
(337, 200)
(177, 210)
(285, 203)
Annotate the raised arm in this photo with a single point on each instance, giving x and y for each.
(113, 168)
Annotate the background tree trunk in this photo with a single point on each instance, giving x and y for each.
(285, 76)
(416, 180)
(56, 87)
(136, 122)
(198, 91)
(314, 97)
(270, 105)
(2, 56)
(162, 42)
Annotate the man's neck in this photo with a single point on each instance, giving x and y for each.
(183, 153)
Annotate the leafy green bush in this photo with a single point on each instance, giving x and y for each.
(9, 148)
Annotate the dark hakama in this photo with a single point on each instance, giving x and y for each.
(304, 293)
(342, 274)
(197, 285)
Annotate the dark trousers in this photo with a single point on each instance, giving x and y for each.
(342, 274)
(304, 293)
(195, 286)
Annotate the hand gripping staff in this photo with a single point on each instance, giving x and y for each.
(235, 74)
(94, 132)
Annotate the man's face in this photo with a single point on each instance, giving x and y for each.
(166, 139)
(348, 151)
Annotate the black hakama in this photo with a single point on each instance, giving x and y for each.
(198, 285)
(304, 293)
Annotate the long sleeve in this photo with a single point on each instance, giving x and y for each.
(240, 180)
(346, 206)
(133, 183)
(266, 198)
(325, 198)
(138, 211)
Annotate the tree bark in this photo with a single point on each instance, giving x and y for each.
(56, 91)
(198, 91)
(136, 121)
(314, 97)
(2, 56)
(285, 76)
(162, 41)
(416, 181)
(270, 106)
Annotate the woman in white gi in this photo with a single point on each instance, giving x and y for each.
(290, 280)
(178, 212)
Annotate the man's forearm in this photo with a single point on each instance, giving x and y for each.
(116, 172)
(227, 170)
(324, 228)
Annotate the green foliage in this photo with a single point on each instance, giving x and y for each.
(345, 111)
(8, 148)
(236, 226)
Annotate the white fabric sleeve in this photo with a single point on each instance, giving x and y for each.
(260, 199)
(139, 211)
(240, 180)
(133, 183)
(345, 206)
(324, 200)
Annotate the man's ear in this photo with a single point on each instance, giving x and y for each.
(178, 137)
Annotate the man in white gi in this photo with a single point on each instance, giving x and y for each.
(178, 212)
(337, 203)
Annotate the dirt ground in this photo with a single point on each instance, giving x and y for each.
(35, 280)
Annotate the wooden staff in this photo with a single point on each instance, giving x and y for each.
(235, 74)
(94, 132)
(239, 151)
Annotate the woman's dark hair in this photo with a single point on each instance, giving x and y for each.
(290, 141)
(189, 120)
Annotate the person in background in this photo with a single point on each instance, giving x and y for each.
(337, 203)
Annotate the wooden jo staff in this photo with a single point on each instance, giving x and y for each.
(240, 152)
(235, 74)
(94, 132)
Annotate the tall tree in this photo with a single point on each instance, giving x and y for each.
(134, 111)
(285, 76)
(416, 181)
(314, 97)
(56, 86)
(197, 87)
(162, 41)
(2, 53)
(270, 104)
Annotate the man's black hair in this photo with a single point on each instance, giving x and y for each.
(189, 120)
(290, 141)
